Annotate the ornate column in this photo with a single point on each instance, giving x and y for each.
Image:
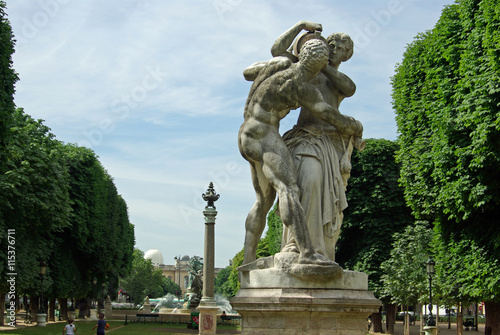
(208, 306)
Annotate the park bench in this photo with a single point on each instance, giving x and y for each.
(230, 319)
(146, 317)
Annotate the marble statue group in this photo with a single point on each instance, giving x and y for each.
(307, 168)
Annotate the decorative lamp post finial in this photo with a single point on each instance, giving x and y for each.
(210, 196)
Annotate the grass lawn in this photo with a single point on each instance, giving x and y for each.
(117, 327)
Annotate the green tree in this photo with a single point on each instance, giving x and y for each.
(274, 234)
(59, 200)
(146, 280)
(35, 198)
(222, 281)
(377, 210)
(168, 286)
(232, 286)
(404, 275)
(8, 79)
(446, 94)
(100, 232)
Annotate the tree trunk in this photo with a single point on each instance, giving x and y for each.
(63, 308)
(492, 325)
(82, 307)
(390, 318)
(2, 309)
(33, 307)
(437, 316)
(52, 310)
(422, 318)
(476, 312)
(377, 322)
(406, 323)
(460, 320)
(449, 317)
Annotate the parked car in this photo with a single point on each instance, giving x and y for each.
(412, 315)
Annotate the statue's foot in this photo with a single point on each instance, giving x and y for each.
(290, 248)
(316, 259)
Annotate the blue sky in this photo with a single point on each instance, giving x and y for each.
(156, 89)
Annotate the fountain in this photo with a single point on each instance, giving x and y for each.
(224, 305)
(169, 304)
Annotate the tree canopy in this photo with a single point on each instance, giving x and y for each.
(446, 94)
(57, 202)
(404, 278)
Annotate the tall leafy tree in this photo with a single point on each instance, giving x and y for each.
(222, 281)
(99, 241)
(404, 277)
(8, 79)
(446, 94)
(35, 195)
(59, 200)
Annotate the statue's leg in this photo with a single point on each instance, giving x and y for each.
(256, 219)
(279, 171)
(310, 180)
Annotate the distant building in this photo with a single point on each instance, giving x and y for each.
(155, 256)
(177, 272)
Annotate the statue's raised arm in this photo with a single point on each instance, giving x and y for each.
(284, 42)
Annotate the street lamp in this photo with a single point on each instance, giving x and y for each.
(178, 266)
(43, 268)
(41, 316)
(430, 271)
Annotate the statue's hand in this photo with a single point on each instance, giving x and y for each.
(359, 143)
(311, 26)
(359, 128)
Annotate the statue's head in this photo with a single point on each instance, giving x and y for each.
(341, 47)
(314, 55)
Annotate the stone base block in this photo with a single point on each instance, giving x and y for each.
(208, 319)
(41, 319)
(274, 311)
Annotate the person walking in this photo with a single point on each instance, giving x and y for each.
(101, 325)
(70, 328)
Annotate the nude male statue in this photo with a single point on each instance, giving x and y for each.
(279, 86)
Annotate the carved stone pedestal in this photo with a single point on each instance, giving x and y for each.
(41, 319)
(272, 301)
(431, 330)
(108, 310)
(208, 319)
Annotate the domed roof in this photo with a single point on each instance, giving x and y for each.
(155, 256)
(185, 258)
